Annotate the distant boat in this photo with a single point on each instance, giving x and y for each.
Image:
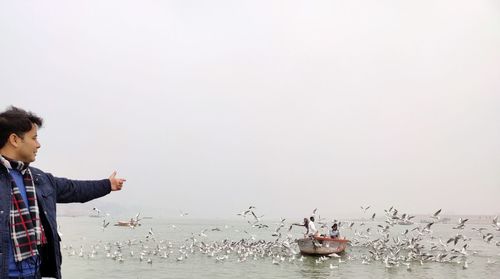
(405, 222)
(322, 246)
(131, 223)
(444, 220)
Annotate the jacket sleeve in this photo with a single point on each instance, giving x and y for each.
(80, 190)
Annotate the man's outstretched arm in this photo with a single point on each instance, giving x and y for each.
(85, 190)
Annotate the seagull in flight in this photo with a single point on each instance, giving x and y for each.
(150, 234)
(255, 216)
(496, 224)
(365, 208)
(461, 224)
(247, 211)
(435, 215)
(104, 224)
(314, 212)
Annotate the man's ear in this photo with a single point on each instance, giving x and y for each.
(14, 139)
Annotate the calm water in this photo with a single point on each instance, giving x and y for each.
(84, 254)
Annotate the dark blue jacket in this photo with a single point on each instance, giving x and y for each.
(49, 191)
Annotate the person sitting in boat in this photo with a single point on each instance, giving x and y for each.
(334, 232)
(312, 228)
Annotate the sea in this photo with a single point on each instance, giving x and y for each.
(169, 248)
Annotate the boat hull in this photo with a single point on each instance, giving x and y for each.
(322, 246)
(127, 224)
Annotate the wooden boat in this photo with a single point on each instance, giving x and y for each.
(131, 223)
(322, 245)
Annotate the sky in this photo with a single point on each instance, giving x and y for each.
(209, 107)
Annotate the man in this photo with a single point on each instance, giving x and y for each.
(312, 228)
(334, 232)
(29, 241)
(305, 224)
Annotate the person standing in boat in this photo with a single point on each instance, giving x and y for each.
(311, 227)
(334, 232)
(305, 225)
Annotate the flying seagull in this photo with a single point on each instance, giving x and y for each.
(435, 215)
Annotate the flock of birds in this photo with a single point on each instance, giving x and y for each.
(408, 247)
(387, 242)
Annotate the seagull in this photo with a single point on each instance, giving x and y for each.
(435, 215)
(314, 212)
(464, 250)
(335, 255)
(278, 234)
(427, 227)
(454, 239)
(104, 224)
(488, 237)
(183, 213)
(243, 213)
(247, 211)
(134, 222)
(496, 225)
(255, 216)
(150, 234)
(202, 233)
(461, 224)
(365, 208)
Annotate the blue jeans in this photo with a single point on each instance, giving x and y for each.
(36, 276)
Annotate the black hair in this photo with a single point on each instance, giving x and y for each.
(312, 218)
(17, 121)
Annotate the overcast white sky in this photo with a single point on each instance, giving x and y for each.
(212, 106)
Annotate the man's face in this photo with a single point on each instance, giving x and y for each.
(28, 146)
